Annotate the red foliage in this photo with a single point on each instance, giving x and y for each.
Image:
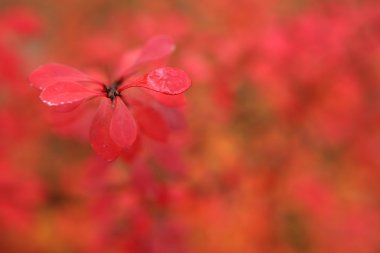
(114, 128)
(275, 148)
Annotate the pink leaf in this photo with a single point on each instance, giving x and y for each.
(126, 65)
(52, 73)
(123, 129)
(167, 80)
(100, 138)
(155, 49)
(66, 93)
(67, 107)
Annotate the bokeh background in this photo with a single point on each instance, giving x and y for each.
(277, 149)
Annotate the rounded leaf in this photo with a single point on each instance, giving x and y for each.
(62, 93)
(155, 49)
(100, 138)
(52, 73)
(123, 129)
(167, 80)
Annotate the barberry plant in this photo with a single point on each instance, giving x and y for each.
(114, 127)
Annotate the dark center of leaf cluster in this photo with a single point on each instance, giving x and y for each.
(112, 90)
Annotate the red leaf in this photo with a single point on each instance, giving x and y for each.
(130, 153)
(151, 123)
(66, 107)
(52, 73)
(155, 49)
(167, 80)
(100, 138)
(125, 66)
(123, 129)
(66, 93)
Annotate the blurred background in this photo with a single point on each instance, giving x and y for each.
(276, 150)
